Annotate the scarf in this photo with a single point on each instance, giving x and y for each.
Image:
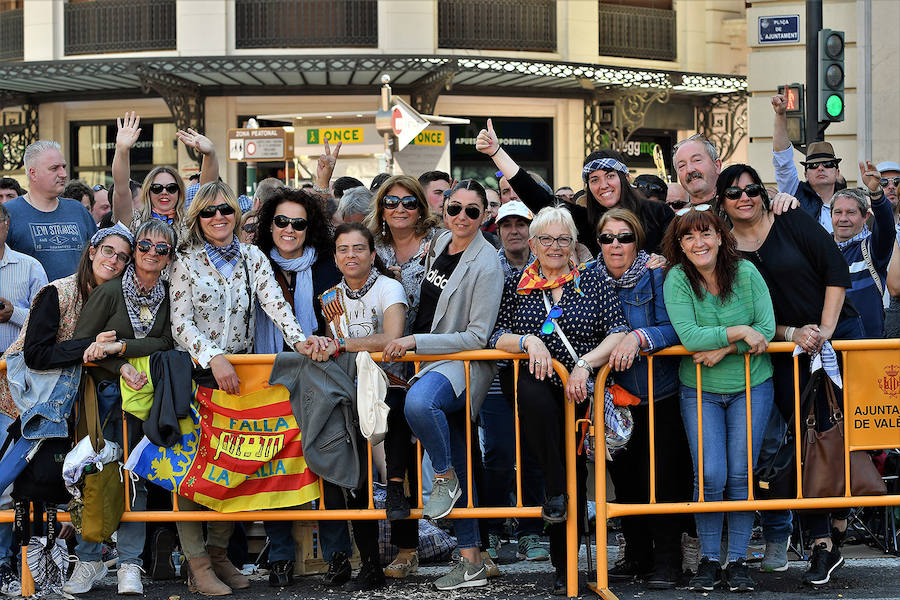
(164, 218)
(224, 258)
(606, 164)
(357, 294)
(862, 235)
(142, 309)
(532, 278)
(268, 338)
(631, 276)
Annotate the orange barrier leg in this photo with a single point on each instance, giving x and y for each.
(601, 586)
(27, 579)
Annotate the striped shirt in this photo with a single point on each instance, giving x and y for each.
(21, 277)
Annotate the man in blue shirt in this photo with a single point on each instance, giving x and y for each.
(51, 229)
(21, 277)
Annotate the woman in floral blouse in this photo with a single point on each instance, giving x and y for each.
(214, 283)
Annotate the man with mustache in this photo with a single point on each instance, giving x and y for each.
(697, 163)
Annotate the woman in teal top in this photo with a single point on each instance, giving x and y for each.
(720, 307)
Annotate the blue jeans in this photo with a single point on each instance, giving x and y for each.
(436, 417)
(6, 529)
(281, 540)
(725, 473)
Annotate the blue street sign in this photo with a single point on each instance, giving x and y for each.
(779, 30)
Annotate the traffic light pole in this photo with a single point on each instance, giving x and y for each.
(815, 130)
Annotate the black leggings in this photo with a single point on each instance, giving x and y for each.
(400, 458)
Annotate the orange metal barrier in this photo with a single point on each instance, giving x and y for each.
(470, 511)
(607, 510)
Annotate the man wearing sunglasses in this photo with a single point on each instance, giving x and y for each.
(890, 179)
(676, 196)
(821, 168)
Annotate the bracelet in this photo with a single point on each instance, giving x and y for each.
(320, 190)
(639, 337)
(789, 333)
(337, 349)
(495, 151)
(122, 351)
(522, 342)
(342, 344)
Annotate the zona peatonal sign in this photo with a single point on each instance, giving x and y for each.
(261, 143)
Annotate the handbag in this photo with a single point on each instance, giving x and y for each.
(103, 492)
(823, 451)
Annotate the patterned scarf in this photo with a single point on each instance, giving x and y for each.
(142, 308)
(357, 294)
(631, 276)
(224, 258)
(533, 278)
(156, 215)
(862, 235)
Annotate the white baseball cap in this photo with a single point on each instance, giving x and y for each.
(887, 165)
(514, 209)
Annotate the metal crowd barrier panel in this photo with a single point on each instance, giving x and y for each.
(321, 513)
(862, 355)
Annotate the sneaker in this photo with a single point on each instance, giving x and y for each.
(445, 491)
(737, 577)
(530, 548)
(463, 575)
(775, 558)
(554, 509)
(395, 504)
(709, 575)
(129, 576)
(84, 576)
(162, 566)
(9, 581)
(690, 553)
(663, 577)
(281, 573)
(339, 570)
(402, 566)
(493, 545)
(489, 565)
(822, 564)
(370, 577)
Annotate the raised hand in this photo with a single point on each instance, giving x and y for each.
(870, 176)
(196, 140)
(487, 141)
(779, 102)
(325, 165)
(129, 130)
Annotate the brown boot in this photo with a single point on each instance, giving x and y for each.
(201, 578)
(226, 571)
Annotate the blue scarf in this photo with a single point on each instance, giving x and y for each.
(224, 258)
(268, 338)
(862, 235)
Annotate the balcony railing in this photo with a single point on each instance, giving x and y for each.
(497, 24)
(306, 23)
(634, 32)
(11, 36)
(102, 26)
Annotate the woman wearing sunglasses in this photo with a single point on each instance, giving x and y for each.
(652, 544)
(162, 193)
(807, 277)
(136, 307)
(553, 311)
(458, 305)
(720, 307)
(215, 283)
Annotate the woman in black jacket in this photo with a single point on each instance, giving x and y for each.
(606, 185)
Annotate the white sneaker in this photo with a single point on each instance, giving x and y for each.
(129, 576)
(85, 575)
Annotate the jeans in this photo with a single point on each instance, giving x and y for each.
(436, 417)
(130, 535)
(281, 540)
(6, 529)
(725, 473)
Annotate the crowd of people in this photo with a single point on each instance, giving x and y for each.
(717, 262)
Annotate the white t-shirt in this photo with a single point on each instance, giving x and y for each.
(365, 316)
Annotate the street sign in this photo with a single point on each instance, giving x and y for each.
(260, 144)
(783, 29)
(872, 384)
(347, 135)
(406, 123)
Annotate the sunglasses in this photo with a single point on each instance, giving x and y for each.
(886, 180)
(651, 189)
(281, 221)
(392, 202)
(109, 252)
(157, 188)
(562, 241)
(249, 228)
(210, 211)
(549, 326)
(99, 187)
(473, 212)
(606, 239)
(687, 209)
(161, 248)
(754, 190)
(828, 164)
(677, 204)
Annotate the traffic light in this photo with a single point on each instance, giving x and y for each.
(831, 75)
(794, 112)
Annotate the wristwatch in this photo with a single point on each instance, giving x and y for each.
(584, 365)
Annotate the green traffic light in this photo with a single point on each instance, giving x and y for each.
(834, 105)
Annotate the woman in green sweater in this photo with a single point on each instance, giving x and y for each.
(720, 307)
(136, 306)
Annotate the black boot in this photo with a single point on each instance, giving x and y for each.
(370, 577)
(339, 570)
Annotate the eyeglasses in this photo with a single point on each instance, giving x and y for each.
(886, 180)
(473, 212)
(281, 221)
(99, 187)
(392, 202)
(157, 188)
(161, 248)
(563, 241)
(651, 189)
(828, 164)
(626, 237)
(108, 252)
(687, 209)
(210, 211)
(249, 227)
(677, 204)
(754, 190)
(549, 326)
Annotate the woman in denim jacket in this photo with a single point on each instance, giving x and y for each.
(653, 544)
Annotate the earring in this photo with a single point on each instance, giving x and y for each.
(383, 228)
